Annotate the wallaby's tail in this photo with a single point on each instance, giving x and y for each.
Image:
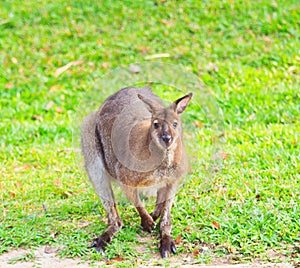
(88, 138)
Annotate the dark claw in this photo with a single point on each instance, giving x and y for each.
(99, 248)
(173, 249)
(167, 245)
(165, 254)
(101, 242)
(94, 244)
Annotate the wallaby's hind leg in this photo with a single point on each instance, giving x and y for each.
(114, 220)
(146, 220)
(167, 244)
(100, 180)
(160, 202)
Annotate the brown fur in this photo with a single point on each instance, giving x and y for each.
(134, 140)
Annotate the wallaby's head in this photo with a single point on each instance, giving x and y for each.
(166, 127)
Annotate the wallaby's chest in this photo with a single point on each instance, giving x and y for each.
(167, 172)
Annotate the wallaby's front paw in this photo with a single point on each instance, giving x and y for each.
(167, 245)
(101, 242)
(148, 224)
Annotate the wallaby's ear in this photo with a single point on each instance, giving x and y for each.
(179, 105)
(151, 105)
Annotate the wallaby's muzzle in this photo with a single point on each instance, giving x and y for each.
(167, 139)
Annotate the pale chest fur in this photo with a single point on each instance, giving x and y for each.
(170, 169)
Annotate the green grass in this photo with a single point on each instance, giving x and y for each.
(245, 52)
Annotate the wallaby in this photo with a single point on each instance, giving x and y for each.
(137, 142)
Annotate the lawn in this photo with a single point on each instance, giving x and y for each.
(54, 54)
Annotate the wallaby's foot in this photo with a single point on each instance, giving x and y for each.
(101, 242)
(167, 245)
(147, 223)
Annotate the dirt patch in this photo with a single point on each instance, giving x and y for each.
(46, 257)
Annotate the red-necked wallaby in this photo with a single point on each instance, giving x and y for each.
(137, 142)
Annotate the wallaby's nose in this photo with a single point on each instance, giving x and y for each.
(166, 138)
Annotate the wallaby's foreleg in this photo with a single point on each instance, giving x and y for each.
(94, 165)
(160, 202)
(167, 244)
(146, 220)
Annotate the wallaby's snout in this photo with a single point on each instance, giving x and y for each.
(167, 139)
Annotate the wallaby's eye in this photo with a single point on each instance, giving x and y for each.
(156, 125)
(174, 124)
